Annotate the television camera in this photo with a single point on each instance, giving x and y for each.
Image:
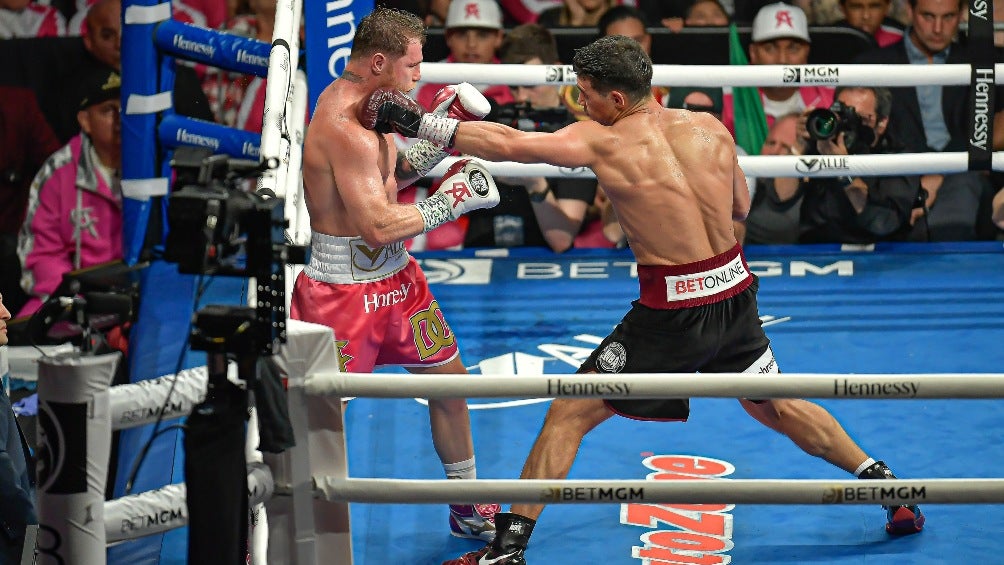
(218, 228)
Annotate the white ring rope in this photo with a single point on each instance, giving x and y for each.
(142, 402)
(777, 166)
(163, 509)
(638, 386)
(748, 75)
(731, 491)
(719, 75)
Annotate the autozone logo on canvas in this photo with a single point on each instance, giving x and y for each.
(682, 533)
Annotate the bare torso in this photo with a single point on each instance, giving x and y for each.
(669, 175)
(340, 158)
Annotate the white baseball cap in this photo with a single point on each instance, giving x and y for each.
(474, 13)
(779, 20)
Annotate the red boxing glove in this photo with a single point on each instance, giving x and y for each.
(462, 102)
(387, 110)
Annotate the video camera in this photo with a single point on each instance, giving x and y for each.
(87, 303)
(827, 123)
(218, 228)
(523, 116)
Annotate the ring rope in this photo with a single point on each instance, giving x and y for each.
(663, 385)
(731, 491)
(719, 75)
(776, 166)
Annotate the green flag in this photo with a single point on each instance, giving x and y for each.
(747, 107)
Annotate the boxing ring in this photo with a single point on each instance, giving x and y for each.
(878, 324)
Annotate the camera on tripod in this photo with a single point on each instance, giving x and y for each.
(216, 227)
(828, 123)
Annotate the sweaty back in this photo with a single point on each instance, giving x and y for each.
(669, 174)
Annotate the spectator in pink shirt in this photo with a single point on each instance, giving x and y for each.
(74, 217)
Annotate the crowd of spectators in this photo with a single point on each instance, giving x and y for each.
(51, 49)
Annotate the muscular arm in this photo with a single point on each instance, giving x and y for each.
(363, 189)
(567, 147)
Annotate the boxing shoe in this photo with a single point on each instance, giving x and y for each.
(900, 520)
(474, 521)
(513, 533)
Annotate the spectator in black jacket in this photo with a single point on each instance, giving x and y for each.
(853, 209)
(17, 490)
(936, 118)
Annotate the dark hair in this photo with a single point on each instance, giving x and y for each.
(616, 62)
(618, 13)
(388, 31)
(524, 42)
(883, 98)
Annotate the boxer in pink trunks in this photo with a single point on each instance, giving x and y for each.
(675, 183)
(360, 280)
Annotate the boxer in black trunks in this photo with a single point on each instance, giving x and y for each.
(674, 180)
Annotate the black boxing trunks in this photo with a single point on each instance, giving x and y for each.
(697, 317)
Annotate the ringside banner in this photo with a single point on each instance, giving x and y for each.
(330, 27)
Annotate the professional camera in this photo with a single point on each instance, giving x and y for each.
(84, 307)
(827, 123)
(523, 116)
(218, 228)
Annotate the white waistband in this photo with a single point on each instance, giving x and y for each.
(706, 283)
(347, 260)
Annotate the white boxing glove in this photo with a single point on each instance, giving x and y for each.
(466, 186)
(461, 102)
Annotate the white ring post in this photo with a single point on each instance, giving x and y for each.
(74, 443)
(303, 530)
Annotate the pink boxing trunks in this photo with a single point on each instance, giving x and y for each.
(376, 300)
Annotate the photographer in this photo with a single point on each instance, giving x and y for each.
(851, 209)
(535, 211)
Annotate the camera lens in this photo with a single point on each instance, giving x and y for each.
(822, 123)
